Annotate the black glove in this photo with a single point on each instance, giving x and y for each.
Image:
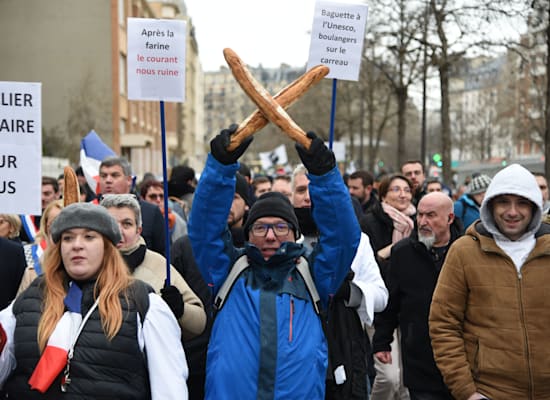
(319, 159)
(172, 296)
(218, 146)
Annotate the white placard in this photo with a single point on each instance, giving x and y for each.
(156, 59)
(20, 148)
(337, 38)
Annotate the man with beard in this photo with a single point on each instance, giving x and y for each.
(361, 295)
(415, 264)
(489, 315)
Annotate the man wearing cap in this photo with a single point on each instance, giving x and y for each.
(489, 315)
(466, 208)
(267, 341)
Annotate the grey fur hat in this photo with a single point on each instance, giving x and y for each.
(88, 216)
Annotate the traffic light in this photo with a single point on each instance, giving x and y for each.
(437, 159)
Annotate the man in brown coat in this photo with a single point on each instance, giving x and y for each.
(489, 317)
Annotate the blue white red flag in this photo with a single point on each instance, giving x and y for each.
(54, 358)
(92, 152)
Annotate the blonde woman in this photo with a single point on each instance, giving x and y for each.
(34, 252)
(107, 319)
(10, 226)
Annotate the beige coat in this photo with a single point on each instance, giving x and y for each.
(490, 325)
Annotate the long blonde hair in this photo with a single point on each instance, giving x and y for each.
(43, 231)
(113, 280)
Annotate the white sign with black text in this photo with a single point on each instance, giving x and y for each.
(156, 59)
(337, 38)
(20, 148)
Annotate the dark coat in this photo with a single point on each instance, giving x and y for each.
(12, 267)
(153, 227)
(413, 273)
(379, 228)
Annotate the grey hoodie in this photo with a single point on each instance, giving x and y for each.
(517, 180)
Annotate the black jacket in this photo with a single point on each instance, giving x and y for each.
(12, 267)
(153, 227)
(100, 369)
(413, 273)
(379, 228)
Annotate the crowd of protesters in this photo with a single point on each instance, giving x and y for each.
(306, 285)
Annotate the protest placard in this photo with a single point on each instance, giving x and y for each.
(337, 38)
(156, 59)
(20, 148)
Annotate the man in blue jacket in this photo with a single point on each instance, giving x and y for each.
(267, 341)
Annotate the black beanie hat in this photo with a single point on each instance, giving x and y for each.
(241, 188)
(272, 204)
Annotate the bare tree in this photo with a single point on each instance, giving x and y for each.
(399, 23)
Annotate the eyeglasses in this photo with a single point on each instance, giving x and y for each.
(154, 196)
(279, 229)
(397, 189)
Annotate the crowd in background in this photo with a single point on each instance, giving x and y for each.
(386, 339)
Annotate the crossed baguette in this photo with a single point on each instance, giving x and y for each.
(271, 108)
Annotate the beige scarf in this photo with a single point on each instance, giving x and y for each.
(402, 223)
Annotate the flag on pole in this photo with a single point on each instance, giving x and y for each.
(92, 152)
(54, 358)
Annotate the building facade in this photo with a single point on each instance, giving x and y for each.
(77, 49)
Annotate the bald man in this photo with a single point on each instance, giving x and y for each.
(415, 264)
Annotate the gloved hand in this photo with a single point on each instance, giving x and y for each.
(172, 296)
(319, 159)
(218, 146)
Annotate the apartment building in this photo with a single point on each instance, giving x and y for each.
(77, 49)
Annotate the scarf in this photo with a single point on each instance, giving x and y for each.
(55, 355)
(403, 225)
(134, 255)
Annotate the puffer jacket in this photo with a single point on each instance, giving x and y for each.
(488, 319)
(267, 341)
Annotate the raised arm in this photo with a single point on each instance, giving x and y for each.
(208, 232)
(333, 213)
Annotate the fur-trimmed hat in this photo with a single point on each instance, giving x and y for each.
(87, 216)
(479, 184)
(272, 204)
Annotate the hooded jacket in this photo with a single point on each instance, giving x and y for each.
(489, 315)
(267, 341)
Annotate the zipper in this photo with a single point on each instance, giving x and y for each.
(526, 341)
(290, 319)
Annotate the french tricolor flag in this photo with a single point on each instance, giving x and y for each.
(92, 152)
(54, 358)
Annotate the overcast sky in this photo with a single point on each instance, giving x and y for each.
(259, 31)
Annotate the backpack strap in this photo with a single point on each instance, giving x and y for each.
(302, 266)
(140, 291)
(238, 267)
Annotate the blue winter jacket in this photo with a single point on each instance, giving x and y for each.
(466, 210)
(267, 341)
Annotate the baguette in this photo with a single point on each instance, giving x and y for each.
(286, 98)
(71, 188)
(271, 109)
